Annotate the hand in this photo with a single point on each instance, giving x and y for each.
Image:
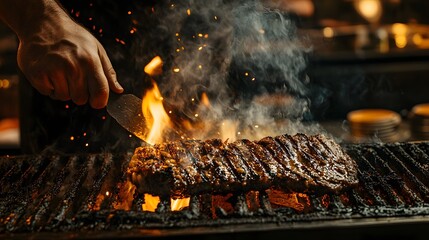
(64, 61)
(59, 57)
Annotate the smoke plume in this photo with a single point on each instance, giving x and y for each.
(247, 58)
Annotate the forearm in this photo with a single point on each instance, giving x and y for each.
(25, 17)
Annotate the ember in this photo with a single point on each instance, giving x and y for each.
(52, 193)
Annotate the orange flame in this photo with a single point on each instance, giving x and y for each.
(157, 121)
(156, 117)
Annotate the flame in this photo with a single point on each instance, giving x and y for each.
(124, 199)
(205, 99)
(158, 122)
(151, 203)
(179, 204)
(154, 67)
(156, 117)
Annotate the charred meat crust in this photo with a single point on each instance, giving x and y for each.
(299, 163)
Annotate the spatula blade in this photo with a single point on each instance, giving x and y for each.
(127, 111)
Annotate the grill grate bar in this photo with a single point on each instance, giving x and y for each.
(357, 199)
(397, 179)
(368, 176)
(407, 175)
(102, 162)
(416, 159)
(389, 179)
(51, 193)
(38, 202)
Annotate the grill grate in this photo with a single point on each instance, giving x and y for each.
(78, 192)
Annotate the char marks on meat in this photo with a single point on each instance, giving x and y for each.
(298, 163)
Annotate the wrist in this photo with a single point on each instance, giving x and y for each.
(28, 18)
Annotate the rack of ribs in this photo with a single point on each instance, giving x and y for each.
(300, 163)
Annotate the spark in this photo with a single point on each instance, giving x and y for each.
(196, 115)
(176, 70)
(103, 117)
(200, 48)
(72, 138)
(188, 11)
(130, 136)
(193, 99)
(256, 126)
(67, 106)
(129, 12)
(215, 17)
(246, 74)
(177, 34)
(86, 144)
(120, 41)
(206, 36)
(107, 193)
(200, 66)
(253, 79)
(200, 35)
(178, 50)
(238, 133)
(84, 134)
(170, 112)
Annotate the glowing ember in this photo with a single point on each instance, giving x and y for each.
(297, 201)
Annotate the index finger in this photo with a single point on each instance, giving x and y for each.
(109, 71)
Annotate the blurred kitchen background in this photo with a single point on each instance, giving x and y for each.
(365, 54)
(9, 102)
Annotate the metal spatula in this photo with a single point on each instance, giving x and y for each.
(127, 111)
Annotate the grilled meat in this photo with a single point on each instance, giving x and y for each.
(298, 163)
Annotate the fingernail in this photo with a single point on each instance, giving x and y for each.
(118, 86)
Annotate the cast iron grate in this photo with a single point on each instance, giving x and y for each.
(55, 193)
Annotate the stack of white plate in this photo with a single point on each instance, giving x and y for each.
(379, 124)
(419, 122)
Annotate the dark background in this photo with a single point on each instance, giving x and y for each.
(341, 77)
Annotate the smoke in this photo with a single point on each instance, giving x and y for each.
(247, 58)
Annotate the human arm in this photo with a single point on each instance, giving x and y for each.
(59, 57)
